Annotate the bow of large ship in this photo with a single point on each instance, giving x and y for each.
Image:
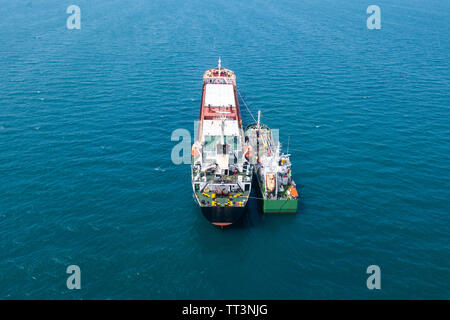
(220, 168)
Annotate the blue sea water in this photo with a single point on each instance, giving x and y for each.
(86, 118)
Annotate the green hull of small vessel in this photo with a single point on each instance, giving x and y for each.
(275, 206)
(280, 206)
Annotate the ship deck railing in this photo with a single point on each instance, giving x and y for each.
(230, 179)
(218, 80)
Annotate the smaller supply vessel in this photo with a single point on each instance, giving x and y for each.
(272, 169)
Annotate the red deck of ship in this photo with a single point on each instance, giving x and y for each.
(224, 76)
(214, 112)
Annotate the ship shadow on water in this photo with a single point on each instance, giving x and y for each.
(252, 216)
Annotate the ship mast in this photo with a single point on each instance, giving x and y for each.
(259, 118)
(220, 61)
(258, 127)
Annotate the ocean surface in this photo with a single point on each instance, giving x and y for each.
(86, 118)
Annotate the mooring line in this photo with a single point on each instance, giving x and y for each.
(245, 104)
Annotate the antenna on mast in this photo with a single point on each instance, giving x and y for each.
(289, 138)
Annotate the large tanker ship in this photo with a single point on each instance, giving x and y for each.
(220, 168)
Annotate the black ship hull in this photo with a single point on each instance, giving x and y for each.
(223, 216)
